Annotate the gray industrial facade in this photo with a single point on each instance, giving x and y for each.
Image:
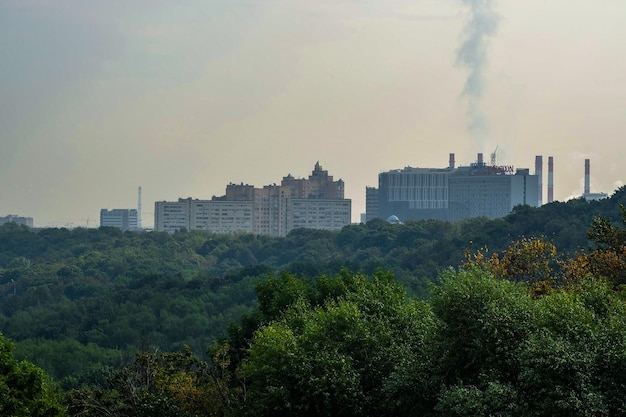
(125, 219)
(452, 194)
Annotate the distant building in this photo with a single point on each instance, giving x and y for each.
(170, 216)
(12, 218)
(270, 210)
(221, 216)
(413, 194)
(318, 185)
(371, 203)
(587, 194)
(451, 193)
(323, 214)
(483, 191)
(125, 219)
(274, 210)
(595, 196)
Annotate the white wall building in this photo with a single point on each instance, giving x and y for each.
(324, 214)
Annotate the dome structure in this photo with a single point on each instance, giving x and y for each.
(393, 219)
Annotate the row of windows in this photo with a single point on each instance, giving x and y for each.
(428, 204)
(424, 179)
(418, 194)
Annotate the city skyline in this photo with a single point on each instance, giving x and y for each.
(99, 98)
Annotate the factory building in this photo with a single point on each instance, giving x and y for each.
(587, 194)
(413, 194)
(452, 193)
(484, 191)
(125, 219)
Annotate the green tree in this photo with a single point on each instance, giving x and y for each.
(25, 390)
(333, 357)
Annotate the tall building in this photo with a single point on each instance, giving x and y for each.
(451, 193)
(371, 203)
(413, 193)
(221, 216)
(317, 213)
(270, 210)
(318, 185)
(125, 219)
(170, 216)
(316, 202)
(487, 191)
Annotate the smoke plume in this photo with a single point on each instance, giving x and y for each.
(472, 54)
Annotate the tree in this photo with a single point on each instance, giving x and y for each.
(529, 260)
(333, 357)
(169, 384)
(25, 390)
(608, 259)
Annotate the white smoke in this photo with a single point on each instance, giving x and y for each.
(472, 54)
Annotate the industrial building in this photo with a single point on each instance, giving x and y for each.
(316, 202)
(587, 194)
(125, 219)
(451, 193)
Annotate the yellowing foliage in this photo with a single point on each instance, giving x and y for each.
(530, 260)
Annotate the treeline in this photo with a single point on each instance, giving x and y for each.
(77, 300)
(528, 329)
(523, 332)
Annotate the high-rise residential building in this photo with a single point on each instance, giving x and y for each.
(170, 216)
(221, 216)
(318, 185)
(317, 213)
(316, 202)
(125, 219)
(451, 193)
(270, 210)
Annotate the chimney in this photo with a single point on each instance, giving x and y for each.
(539, 174)
(587, 177)
(480, 159)
(451, 163)
(550, 179)
(139, 208)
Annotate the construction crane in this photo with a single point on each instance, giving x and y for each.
(493, 156)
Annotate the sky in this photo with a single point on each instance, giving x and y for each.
(183, 97)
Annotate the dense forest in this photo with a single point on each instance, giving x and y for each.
(422, 318)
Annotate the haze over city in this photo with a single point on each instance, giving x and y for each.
(181, 98)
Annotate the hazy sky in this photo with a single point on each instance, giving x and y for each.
(182, 97)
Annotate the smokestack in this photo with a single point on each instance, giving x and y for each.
(587, 177)
(550, 179)
(480, 158)
(539, 174)
(451, 163)
(139, 207)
